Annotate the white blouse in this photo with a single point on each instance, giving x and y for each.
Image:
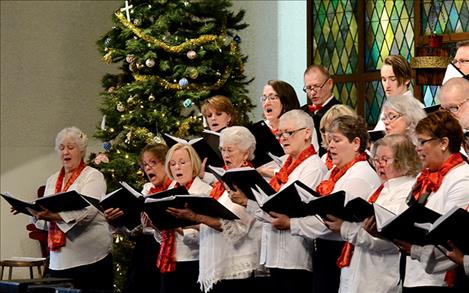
(279, 248)
(359, 181)
(88, 236)
(453, 192)
(187, 245)
(374, 266)
(232, 253)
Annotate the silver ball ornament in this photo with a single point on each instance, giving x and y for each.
(120, 107)
(150, 63)
(130, 58)
(183, 82)
(191, 55)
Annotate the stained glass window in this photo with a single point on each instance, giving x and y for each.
(445, 16)
(348, 93)
(374, 99)
(391, 31)
(391, 27)
(336, 32)
(388, 29)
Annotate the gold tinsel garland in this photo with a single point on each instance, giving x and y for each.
(192, 86)
(189, 44)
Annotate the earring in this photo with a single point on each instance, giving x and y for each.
(443, 149)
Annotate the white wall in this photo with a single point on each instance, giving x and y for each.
(50, 79)
(275, 43)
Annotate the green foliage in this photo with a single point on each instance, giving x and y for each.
(164, 42)
(157, 45)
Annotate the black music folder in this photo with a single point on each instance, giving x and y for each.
(245, 178)
(202, 204)
(266, 143)
(59, 202)
(204, 146)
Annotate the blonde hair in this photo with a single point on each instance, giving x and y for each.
(194, 157)
(334, 112)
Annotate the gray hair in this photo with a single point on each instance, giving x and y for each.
(410, 108)
(241, 137)
(300, 118)
(76, 135)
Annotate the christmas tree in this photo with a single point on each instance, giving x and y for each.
(174, 55)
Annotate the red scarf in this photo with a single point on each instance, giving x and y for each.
(327, 186)
(162, 187)
(166, 260)
(281, 177)
(329, 163)
(219, 187)
(55, 236)
(313, 108)
(347, 251)
(429, 181)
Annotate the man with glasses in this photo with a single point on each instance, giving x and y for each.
(454, 98)
(318, 87)
(461, 59)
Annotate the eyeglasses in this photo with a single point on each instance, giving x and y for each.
(148, 164)
(227, 150)
(391, 117)
(382, 161)
(287, 134)
(173, 163)
(455, 108)
(269, 97)
(314, 88)
(424, 141)
(463, 62)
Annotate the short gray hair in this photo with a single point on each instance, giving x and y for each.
(76, 135)
(300, 118)
(410, 108)
(241, 137)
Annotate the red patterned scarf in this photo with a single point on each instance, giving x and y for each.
(159, 188)
(219, 187)
(429, 181)
(327, 186)
(329, 163)
(281, 177)
(166, 260)
(55, 236)
(347, 251)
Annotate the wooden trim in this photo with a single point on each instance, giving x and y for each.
(357, 78)
(361, 59)
(309, 32)
(420, 40)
